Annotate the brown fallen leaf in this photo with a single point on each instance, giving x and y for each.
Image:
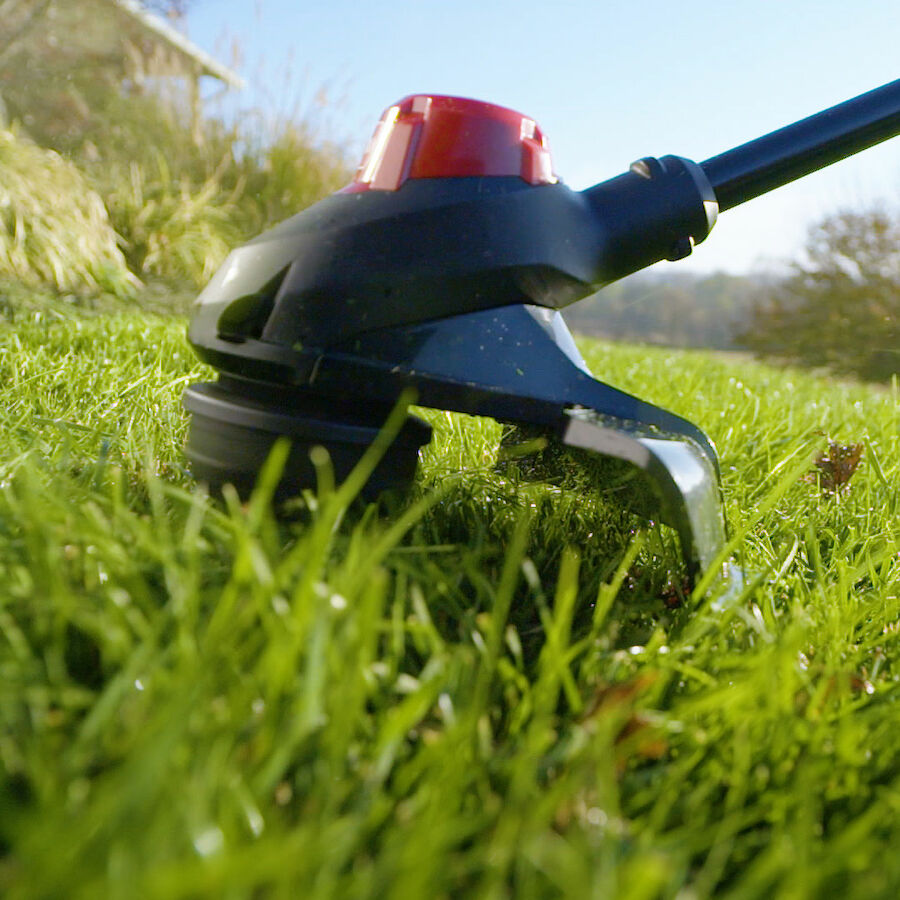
(835, 467)
(608, 698)
(637, 737)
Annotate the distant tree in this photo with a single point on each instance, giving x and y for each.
(840, 306)
(676, 309)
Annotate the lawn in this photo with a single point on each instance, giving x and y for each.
(488, 688)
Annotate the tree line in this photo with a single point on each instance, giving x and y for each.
(836, 307)
(676, 309)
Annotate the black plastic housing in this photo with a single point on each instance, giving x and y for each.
(358, 262)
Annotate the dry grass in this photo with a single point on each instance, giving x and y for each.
(54, 228)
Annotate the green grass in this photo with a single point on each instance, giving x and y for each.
(483, 693)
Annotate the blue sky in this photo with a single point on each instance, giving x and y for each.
(607, 81)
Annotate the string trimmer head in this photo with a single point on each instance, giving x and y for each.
(441, 268)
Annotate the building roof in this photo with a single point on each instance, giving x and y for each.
(158, 29)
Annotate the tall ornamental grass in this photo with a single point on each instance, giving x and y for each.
(54, 228)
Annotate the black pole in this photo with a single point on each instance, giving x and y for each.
(769, 162)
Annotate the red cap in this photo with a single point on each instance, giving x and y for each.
(426, 136)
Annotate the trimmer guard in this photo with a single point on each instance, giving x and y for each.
(518, 364)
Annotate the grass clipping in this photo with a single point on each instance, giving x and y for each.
(54, 229)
